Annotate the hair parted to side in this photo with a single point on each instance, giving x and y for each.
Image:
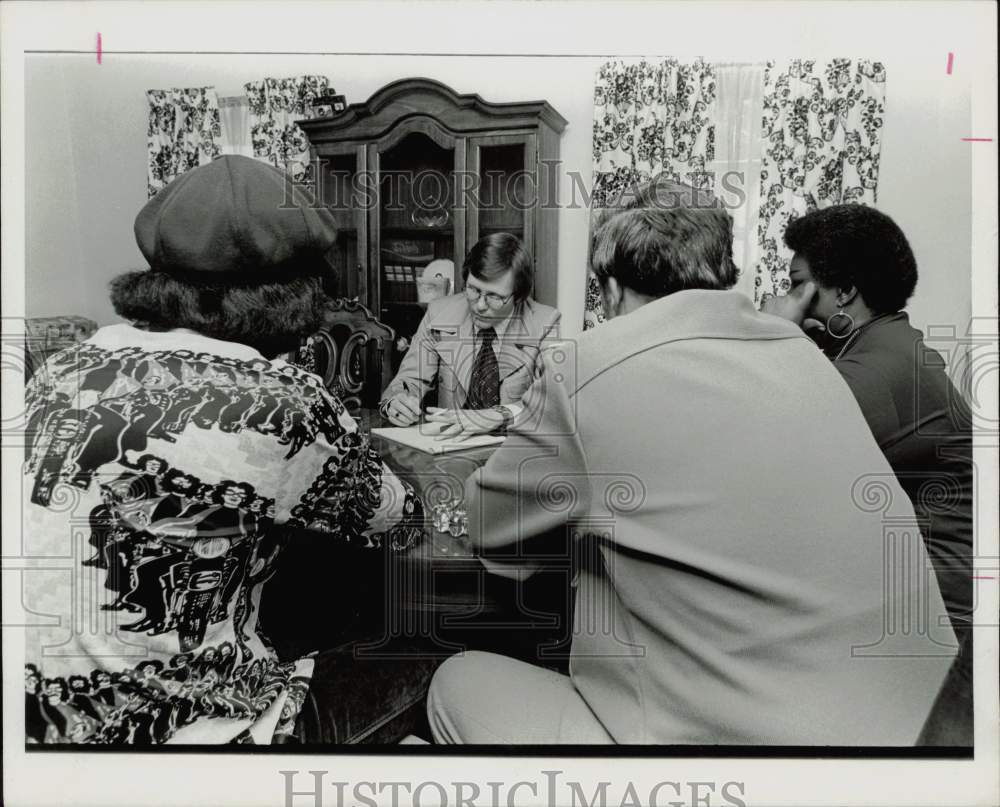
(856, 245)
(271, 317)
(498, 253)
(666, 237)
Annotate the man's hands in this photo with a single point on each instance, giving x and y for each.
(459, 424)
(403, 409)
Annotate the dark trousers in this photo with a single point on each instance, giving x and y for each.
(359, 696)
(950, 722)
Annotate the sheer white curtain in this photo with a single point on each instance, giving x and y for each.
(738, 114)
(234, 115)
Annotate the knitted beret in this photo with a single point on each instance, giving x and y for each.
(236, 220)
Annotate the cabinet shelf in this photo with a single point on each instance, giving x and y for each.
(411, 232)
(500, 228)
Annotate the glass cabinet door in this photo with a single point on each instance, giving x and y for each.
(418, 221)
(502, 169)
(341, 192)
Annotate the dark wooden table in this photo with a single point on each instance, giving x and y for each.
(436, 595)
(436, 479)
(439, 589)
(440, 572)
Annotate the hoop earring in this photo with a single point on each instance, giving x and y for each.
(843, 334)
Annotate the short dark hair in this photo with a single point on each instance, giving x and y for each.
(271, 317)
(856, 245)
(498, 253)
(665, 238)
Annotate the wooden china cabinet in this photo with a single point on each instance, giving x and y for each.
(419, 172)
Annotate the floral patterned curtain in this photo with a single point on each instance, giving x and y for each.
(183, 133)
(275, 104)
(821, 145)
(649, 117)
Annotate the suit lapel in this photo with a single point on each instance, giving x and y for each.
(458, 351)
(514, 355)
(457, 347)
(518, 346)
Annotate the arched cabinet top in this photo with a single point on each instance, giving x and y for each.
(422, 124)
(457, 114)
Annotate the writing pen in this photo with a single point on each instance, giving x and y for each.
(408, 391)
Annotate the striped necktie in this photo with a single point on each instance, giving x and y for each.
(484, 384)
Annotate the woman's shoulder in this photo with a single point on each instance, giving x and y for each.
(891, 345)
(891, 360)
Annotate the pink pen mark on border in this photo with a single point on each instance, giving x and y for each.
(951, 62)
(980, 577)
(977, 139)
(98, 47)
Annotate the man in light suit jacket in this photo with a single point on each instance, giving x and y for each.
(707, 468)
(480, 348)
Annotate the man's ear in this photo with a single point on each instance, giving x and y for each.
(612, 294)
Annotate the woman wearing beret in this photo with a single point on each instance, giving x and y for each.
(234, 280)
(852, 274)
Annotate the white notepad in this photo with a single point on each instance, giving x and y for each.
(423, 437)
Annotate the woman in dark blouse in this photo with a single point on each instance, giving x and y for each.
(852, 274)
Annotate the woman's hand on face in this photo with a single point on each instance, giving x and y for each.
(794, 305)
(459, 424)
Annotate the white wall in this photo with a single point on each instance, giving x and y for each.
(925, 184)
(86, 152)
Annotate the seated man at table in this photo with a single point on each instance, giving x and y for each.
(702, 464)
(479, 348)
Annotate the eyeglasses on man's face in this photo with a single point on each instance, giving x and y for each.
(493, 300)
